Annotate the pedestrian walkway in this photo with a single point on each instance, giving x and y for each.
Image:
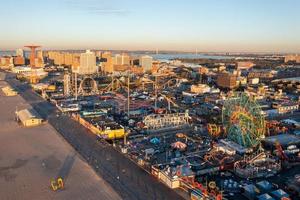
(31, 157)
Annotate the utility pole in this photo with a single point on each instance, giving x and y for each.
(125, 142)
(155, 106)
(17, 118)
(112, 81)
(125, 137)
(76, 92)
(128, 95)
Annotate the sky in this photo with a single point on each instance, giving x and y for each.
(182, 25)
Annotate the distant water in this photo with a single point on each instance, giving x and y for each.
(12, 53)
(7, 53)
(170, 56)
(162, 56)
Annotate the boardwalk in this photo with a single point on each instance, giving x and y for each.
(31, 157)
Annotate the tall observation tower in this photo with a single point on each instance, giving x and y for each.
(32, 54)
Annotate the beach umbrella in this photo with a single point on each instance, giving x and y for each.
(155, 140)
(179, 145)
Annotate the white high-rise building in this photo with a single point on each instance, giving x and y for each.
(118, 59)
(146, 62)
(87, 63)
(125, 59)
(122, 59)
(20, 53)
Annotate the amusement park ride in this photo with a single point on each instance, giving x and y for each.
(208, 191)
(88, 86)
(242, 124)
(32, 53)
(75, 85)
(288, 159)
(242, 119)
(214, 130)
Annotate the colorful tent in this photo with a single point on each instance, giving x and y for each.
(155, 140)
(179, 145)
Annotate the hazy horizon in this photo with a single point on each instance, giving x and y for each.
(269, 26)
(153, 51)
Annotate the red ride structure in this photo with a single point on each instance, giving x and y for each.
(199, 191)
(32, 54)
(280, 152)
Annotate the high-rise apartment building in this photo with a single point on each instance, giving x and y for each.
(40, 54)
(125, 59)
(118, 59)
(118, 62)
(122, 59)
(19, 53)
(56, 57)
(64, 58)
(39, 60)
(98, 54)
(60, 59)
(87, 63)
(76, 61)
(146, 62)
(68, 58)
(107, 64)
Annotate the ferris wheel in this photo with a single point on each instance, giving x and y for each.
(243, 120)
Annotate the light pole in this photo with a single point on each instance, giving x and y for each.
(128, 94)
(76, 92)
(155, 106)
